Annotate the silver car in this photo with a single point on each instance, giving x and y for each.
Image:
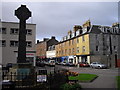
(98, 65)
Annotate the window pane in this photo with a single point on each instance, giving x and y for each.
(3, 30)
(2, 43)
(29, 32)
(83, 48)
(29, 44)
(14, 31)
(13, 43)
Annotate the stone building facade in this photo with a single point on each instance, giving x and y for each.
(92, 43)
(105, 45)
(43, 46)
(9, 41)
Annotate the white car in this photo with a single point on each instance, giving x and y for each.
(97, 65)
(63, 63)
(52, 63)
(0, 66)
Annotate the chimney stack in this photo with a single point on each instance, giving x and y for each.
(53, 37)
(37, 41)
(45, 39)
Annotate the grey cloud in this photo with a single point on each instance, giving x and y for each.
(57, 18)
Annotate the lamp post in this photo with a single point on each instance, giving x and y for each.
(108, 60)
(115, 58)
(110, 49)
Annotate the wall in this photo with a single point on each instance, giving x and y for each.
(82, 44)
(8, 55)
(41, 49)
(51, 54)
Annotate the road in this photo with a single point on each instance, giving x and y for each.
(106, 77)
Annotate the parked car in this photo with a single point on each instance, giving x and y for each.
(51, 63)
(46, 62)
(58, 63)
(40, 64)
(98, 65)
(84, 64)
(63, 63)
(9, 65)
(70, 64)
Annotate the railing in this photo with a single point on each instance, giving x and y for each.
(27, 80)
(21, 80)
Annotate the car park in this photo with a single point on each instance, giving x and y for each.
(84, 64)
(98, 65)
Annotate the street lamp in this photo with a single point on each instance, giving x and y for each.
(115, 58)
(109, 60)
(110, 52)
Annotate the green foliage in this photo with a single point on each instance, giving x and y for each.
(68, 86)
(118, 82)
(83, 77)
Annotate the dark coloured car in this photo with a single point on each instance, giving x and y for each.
(9, 65)
(40, 64)
(84, 64)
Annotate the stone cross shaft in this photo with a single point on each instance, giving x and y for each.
(22, 14)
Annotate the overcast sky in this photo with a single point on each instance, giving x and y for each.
(56, 18)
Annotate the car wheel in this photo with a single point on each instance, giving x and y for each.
(99, 67)
(91, 66)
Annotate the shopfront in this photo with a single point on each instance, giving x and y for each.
(83, 58)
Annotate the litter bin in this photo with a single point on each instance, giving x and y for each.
(8, 84)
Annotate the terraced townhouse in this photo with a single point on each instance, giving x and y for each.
(91, 43)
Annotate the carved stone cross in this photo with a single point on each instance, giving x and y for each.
(22, 14)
